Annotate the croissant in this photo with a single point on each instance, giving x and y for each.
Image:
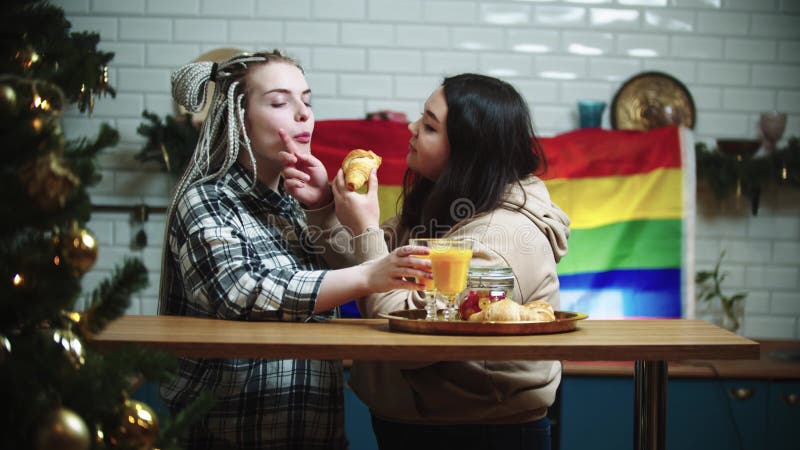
(539, 311)
(509, 311)
(357, 166)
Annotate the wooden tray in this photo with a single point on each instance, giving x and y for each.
(411, 321)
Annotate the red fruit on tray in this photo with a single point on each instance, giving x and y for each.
(477, 301)
(469, 306)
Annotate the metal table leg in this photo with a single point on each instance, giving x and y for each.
(649, 405)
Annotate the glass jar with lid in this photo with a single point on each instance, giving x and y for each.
(484, 286)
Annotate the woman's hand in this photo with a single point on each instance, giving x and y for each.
(355, 211)
(305, 177)
(394, 270)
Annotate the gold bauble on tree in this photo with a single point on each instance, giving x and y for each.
(26, 57)
(138, 427)
(47, 97)
(99, 438)
(8, 100)
(77, 321)
(72, 346)
(35, 95)
(62, 429)
(5, 348)
(76, 247)
(48, 181)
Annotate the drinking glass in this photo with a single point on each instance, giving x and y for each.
(450, 265)
(590, 113)
(772, 125)
(430, 285)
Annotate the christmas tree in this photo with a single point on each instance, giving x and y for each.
(58, 392)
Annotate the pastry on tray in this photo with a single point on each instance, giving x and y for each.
(510, 311)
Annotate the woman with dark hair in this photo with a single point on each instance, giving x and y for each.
(472, 162)
(491, 146)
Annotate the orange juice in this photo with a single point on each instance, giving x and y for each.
(450, 267)
(430, 286)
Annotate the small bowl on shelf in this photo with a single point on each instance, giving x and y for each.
(739, 147)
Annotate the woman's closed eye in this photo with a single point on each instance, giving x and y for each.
(424, 120)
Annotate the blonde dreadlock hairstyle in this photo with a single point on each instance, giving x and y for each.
(223, 133)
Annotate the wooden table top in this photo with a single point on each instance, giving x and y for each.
(771, 366)
(371, 339)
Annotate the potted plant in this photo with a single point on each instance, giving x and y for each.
(710, 288)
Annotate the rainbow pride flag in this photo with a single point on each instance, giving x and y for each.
(630, 196)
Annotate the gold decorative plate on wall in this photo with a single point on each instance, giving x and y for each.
(652, 100)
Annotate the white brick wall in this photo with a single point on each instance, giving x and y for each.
(737, 58)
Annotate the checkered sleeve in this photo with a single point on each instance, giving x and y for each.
(235, 266)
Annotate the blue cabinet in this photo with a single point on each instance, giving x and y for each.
(716, 414)
(708, 414)
(357, 421)
(596, 412)
(783, 416)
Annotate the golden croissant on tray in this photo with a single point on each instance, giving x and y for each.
(357, 166)
(510, 311)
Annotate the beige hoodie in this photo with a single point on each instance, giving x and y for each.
(527, 233)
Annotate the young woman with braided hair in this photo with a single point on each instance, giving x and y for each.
(238, 247)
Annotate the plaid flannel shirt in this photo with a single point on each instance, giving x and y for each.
(239, 255)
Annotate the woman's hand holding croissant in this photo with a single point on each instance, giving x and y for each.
(356, 211)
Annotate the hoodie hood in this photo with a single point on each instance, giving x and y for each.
(532, 199)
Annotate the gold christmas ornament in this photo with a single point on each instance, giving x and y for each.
(5, 348)
(86, 100)
(8, 100)
(49, 182)
(72, 345)
(77, 247)
(47, 97)
(18, 93)
(102, 85)
(138, 428)
(62, 429)
(99, 438)
(73, 317)
(26, 57)
(37, 125)
(77, 321)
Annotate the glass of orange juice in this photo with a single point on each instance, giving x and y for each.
(450, 265)
(430, 285)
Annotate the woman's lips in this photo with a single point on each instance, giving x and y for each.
(303, 138)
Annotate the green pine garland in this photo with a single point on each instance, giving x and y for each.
(724, 174)
(170, 142)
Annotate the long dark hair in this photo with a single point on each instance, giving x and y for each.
(492, 144)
